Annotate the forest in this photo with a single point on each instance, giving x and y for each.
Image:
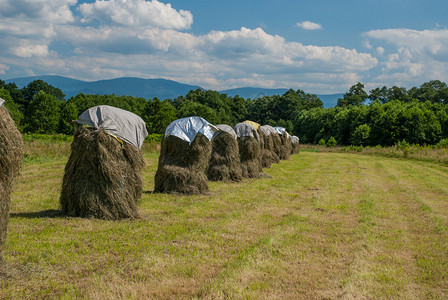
(383, 116)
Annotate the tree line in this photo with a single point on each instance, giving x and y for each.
(384, 116)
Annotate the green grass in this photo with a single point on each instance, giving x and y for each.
(326, 225)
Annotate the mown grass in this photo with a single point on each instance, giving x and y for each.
(326, 225)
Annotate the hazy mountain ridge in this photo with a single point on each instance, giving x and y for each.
(149, 88)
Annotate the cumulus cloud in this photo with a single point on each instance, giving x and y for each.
(416, 56)
(137, 13)
(31, 50)
(117, 38)
(50, 11)
(308, 25)
(429, 42)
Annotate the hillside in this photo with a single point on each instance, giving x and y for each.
(149, 88)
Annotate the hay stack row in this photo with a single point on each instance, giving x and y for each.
(193, 150)
(103, 176)
(11, 154)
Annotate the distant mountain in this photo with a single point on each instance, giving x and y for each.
(253, 92)
(329, 100)
(125, 86)
(149, 88)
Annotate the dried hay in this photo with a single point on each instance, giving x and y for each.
(285, 149)
(182, 166)
(267, 155)
(11, 155)
(250, 152)
(277, 144)
(102, 177)
(225, 160)
(295, 143)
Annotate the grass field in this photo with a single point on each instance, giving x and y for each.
(325, 226)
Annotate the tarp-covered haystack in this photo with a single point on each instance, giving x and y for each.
(184, 157)
(249, 148)
(102, 177)
(11, 154)
(225, 158)
(273, 142)
(295, 144)
(285, 149)
(268, 155)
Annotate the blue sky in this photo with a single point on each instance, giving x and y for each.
(320, 46)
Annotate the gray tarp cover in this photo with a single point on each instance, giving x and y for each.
(187, 128)
(226, 128)
(268, 129)
(119, 122)
(282, 131)
(1, 102)
(245, 129)
(294, 139)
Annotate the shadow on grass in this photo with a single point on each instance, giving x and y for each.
(49, 213)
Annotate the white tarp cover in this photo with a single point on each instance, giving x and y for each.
(282, 131)
(226, 128)
(1, 102)
(187, 128)
(268, 129)
(245, 129)
(295, 139)
(119, 122)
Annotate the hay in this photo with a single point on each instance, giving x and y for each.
(225, 160)
(11, 155)
(277, 144)
(267, 155)
(295, 143)
(285, 149)
(102, 177)
(249, 149)
(250, 152)
(182, 167)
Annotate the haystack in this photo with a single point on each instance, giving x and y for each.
(103, 177)
(11, 154)
(295, 142)
(184, 157)
(225, 160)
(272, 143)
(269, 154)
(249, 149)
(285, 149)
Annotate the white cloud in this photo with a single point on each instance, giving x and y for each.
(379, 50)
(46, 10)
(31, 50)
(137, 13)
(148, 39)
(416, 56)
(308, 25)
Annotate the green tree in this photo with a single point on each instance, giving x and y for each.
(434, 91)
(355, 96)
(42, 115)
(190, 108)
(158, 115)
(69, 113)
(361, 135)
(35, 87)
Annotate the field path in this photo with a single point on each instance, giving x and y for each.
(324, 226)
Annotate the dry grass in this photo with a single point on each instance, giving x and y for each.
(325, 226)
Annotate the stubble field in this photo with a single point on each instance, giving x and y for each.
(325, 226)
